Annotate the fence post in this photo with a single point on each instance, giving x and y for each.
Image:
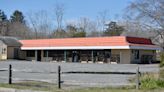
(59, 77)
(10, 74)
(137, 78)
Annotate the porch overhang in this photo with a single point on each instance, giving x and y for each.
(90, 47)
(145, 47)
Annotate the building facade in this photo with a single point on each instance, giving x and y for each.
(116, 49)
(9, 48)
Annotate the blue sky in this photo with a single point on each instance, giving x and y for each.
(74, 8)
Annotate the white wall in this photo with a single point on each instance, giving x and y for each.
(125, 57)
(3, 56)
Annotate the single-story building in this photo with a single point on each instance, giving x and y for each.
(116, 49)
(9, 48)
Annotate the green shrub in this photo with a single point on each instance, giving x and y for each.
(161, 74)
(149, 81)
(162, 59)
(160, 83)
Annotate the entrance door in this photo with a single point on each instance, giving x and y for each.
(75, 56)
(16, 55)
(39, 55)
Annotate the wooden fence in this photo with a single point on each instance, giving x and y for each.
(59, 72)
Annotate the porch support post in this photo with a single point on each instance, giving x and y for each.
(121, 58)
(47, 55)
(36, 54)
(92, 57)
(42, 55)
(65, 55)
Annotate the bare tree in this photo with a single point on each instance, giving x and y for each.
(19, 30)
(88, 26)
(133, 28)
(59, 13)
(150, 13)
(83, 23)
(82, 27)
(94, 32)
(4, 28)
(59, 10)
(40, 24)
(102, 20)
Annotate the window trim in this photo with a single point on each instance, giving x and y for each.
(3, 51)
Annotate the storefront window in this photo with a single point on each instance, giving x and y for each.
(30, 53)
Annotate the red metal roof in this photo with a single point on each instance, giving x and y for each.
(90, 41)
(136, 40)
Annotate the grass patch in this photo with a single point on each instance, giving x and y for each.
(44, 86)
(31, 85)
(104, 90)
(150, 81)
(162, 59)
(161, 73)
(108, 89)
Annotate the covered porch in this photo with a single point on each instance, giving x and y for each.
(82, 56)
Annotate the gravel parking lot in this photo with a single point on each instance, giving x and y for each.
(47, 71)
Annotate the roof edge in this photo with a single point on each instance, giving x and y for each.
(74, 38)
(75, 47)
(91, 47)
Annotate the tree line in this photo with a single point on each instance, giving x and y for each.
(39, 26)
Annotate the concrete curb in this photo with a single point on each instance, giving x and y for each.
(17, 90)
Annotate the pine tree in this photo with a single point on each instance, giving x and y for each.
(17, 16)
(113, 29)
(3, 17)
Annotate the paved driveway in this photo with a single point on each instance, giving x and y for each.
(47, 71)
